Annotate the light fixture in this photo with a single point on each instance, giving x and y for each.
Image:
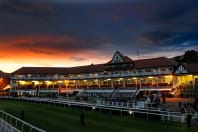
(93, 108)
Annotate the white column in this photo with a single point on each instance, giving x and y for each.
(39, 85)
(25, 85)
(124, 81)
(99, 82)
(111, 83)
(193, 81)
(140, 83)
(157, 80)
(59, 83)
(87, 84)
(172, 81)
(76, 83)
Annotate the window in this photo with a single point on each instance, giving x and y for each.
(196, 80)
(148, 70)
(162, 69)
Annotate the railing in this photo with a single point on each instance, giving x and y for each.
(17, 124)
(132, 74)
(147, 112)
(142, 108)
(98, 90)
(139, 105)
(188, 90)
(46, 90)
(38, 78)
(5, 127)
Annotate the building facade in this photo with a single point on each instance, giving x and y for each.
(120, 75)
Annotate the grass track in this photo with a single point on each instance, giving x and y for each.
(58, 119)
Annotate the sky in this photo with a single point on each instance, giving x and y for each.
(65, 33)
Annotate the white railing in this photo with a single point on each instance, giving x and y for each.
(99, 90)
(132, 109)
(139, 105)
(38, 78)
(48, 90)
(159, 88)
(87, 76)
(133, 74)
(17, 124)
(5, 127)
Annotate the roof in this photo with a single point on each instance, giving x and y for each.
(87, 69)
(4, 75)
(138, 64)
(60, 70)
(191, 68)
(154, 62)
(41, 70)
(125, 59)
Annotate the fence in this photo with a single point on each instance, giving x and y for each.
(141, 109)
(132, 109)
(5, 127)
(10, 123)
(140, 104)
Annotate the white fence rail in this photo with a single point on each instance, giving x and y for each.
(131, 109)
(5, 127)
(10, 123)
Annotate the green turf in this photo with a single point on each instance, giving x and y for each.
(58, 119)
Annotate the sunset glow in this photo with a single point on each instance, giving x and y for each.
(66, 33)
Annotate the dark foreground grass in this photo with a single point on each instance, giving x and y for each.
(58, 119)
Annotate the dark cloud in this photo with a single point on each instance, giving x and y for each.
(157, 36)
(51, 45)
(26, 9)
(173, 11)
(128, 26)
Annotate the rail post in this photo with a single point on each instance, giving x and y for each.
(147, 115)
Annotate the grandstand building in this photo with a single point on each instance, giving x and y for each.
(120, 76)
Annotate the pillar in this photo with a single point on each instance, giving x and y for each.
(157, 80)
(140, 83)
(99, 85)
(193, 81)
(124, 81)
(112, 83)
(76, 83)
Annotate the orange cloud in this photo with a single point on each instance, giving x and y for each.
(18, 51)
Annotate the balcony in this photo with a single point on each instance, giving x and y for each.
(38, 78)
(92, 76)
(49, 90)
